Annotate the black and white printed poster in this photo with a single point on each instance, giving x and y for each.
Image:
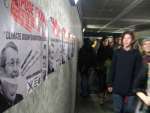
(55, 45)
(65, 35)
(73, 42)
(23, 50)
(72, 45)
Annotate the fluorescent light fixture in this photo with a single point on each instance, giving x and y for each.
(118, 31)
(94, 26)
(73, 2)
(98, 31)
(76, 1)
(121, 30)
(83, 30)
(99, 38)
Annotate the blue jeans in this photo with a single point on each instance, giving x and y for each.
(124, 106)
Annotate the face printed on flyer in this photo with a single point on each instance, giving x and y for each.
(23, 50)
(55, 45)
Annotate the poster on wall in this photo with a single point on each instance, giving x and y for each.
(55, 45)
(69, 46)
(65, 36)
(72, 45)
(23, 50)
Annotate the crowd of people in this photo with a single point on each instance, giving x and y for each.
(122, 66)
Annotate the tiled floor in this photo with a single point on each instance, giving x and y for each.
(92, 104)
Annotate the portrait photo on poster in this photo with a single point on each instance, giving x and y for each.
(20, 70)
(23, 50)
(9, 75)
(55, 45)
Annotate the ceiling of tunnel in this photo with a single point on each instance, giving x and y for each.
(114, 15)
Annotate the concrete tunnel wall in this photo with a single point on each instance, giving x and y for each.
(58, 93)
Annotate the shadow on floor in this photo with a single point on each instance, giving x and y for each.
(92, 104)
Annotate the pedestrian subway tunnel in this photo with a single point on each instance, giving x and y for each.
(67, 56)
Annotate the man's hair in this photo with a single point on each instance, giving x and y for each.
(131, 33)
(3, 56)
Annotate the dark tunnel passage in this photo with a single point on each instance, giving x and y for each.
(108, 74)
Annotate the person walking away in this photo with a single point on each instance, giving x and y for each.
(86, 61)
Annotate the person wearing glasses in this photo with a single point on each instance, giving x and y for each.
(9, 73)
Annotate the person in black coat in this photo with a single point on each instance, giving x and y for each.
(86, 60)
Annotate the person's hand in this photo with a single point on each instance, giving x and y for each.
(110, 89)
(146, 100)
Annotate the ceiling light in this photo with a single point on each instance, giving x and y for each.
(83, 30)
(99, 38)
(118, 31)
(75, 1)
(98, 31)
(93, 26)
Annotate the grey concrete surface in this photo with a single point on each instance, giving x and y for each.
(92, 104)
